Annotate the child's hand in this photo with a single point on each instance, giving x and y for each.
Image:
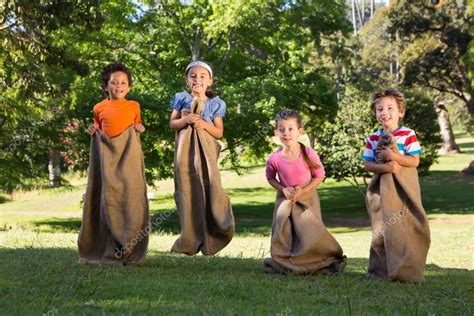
(393, 167)
(191, 119)
(385, 154)
(91, 130)
(289, 193)
(297, 195)
(139, 128)
(200, 124)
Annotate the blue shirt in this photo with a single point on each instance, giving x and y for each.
(214, 107)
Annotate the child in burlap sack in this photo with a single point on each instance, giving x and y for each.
(205, 213)
(400, 231)
(300, 242)
(115, 221)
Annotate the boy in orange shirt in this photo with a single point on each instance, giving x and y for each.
(115, 221)
(115, 114)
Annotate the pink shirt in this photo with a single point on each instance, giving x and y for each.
(293, 173)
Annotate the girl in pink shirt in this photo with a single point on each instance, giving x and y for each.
(300, 242)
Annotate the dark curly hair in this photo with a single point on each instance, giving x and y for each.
(110, 69)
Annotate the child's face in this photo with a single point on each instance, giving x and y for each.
(118, 85)
(198, 80)
(288, 131)
(388, 114)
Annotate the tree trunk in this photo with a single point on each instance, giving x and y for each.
(449, 143)
(54, 169)
(470, 108)
(196, 46)
(354, 22)
(469, 170)
(363, 12)
(358, 14)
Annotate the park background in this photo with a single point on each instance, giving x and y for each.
(322, 58)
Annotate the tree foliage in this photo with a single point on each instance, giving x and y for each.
(35, 74)
(260, 51)
(266, 55)
(435, 45)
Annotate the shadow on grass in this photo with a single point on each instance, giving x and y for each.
(67, 225)
(4, 199)
(342, 206)
(51, 279)
(444, 192)
(467, 148)
(243, 168)
(244, 225)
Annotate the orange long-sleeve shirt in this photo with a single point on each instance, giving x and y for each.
(113, 117)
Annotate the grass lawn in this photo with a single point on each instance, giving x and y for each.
(39, 273)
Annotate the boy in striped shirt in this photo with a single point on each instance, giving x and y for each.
(400, 229)
(389, 108)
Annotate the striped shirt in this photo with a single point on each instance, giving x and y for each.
(214, 107)
(407, 143)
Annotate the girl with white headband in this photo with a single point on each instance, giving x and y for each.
(206, 218)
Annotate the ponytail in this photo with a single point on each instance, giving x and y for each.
(210, 93)
(311, 164)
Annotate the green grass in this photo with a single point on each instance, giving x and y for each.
(39, 271)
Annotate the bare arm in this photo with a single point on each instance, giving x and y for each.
(178, 121)
(276, 184)
(304, 189)
(216, 130)
(313, 184)
(289, 192)
(93, 127)
(403, 160)
(389, 167)
(294, 194)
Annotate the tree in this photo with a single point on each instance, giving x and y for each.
(436, 53)
(436, 49)
(35, 72)
(381, 56)
(257, 73)
(340, 147)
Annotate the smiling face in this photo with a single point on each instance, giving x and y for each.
(288, 132)
(388, 113)
(198, 80)
(118, 85)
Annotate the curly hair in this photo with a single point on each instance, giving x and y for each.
(110, 69)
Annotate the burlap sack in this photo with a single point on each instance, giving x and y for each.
(115, 221)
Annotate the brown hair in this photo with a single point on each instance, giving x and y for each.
(397, 95)
(287, 114)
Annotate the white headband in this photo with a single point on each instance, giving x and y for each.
(201, 64)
